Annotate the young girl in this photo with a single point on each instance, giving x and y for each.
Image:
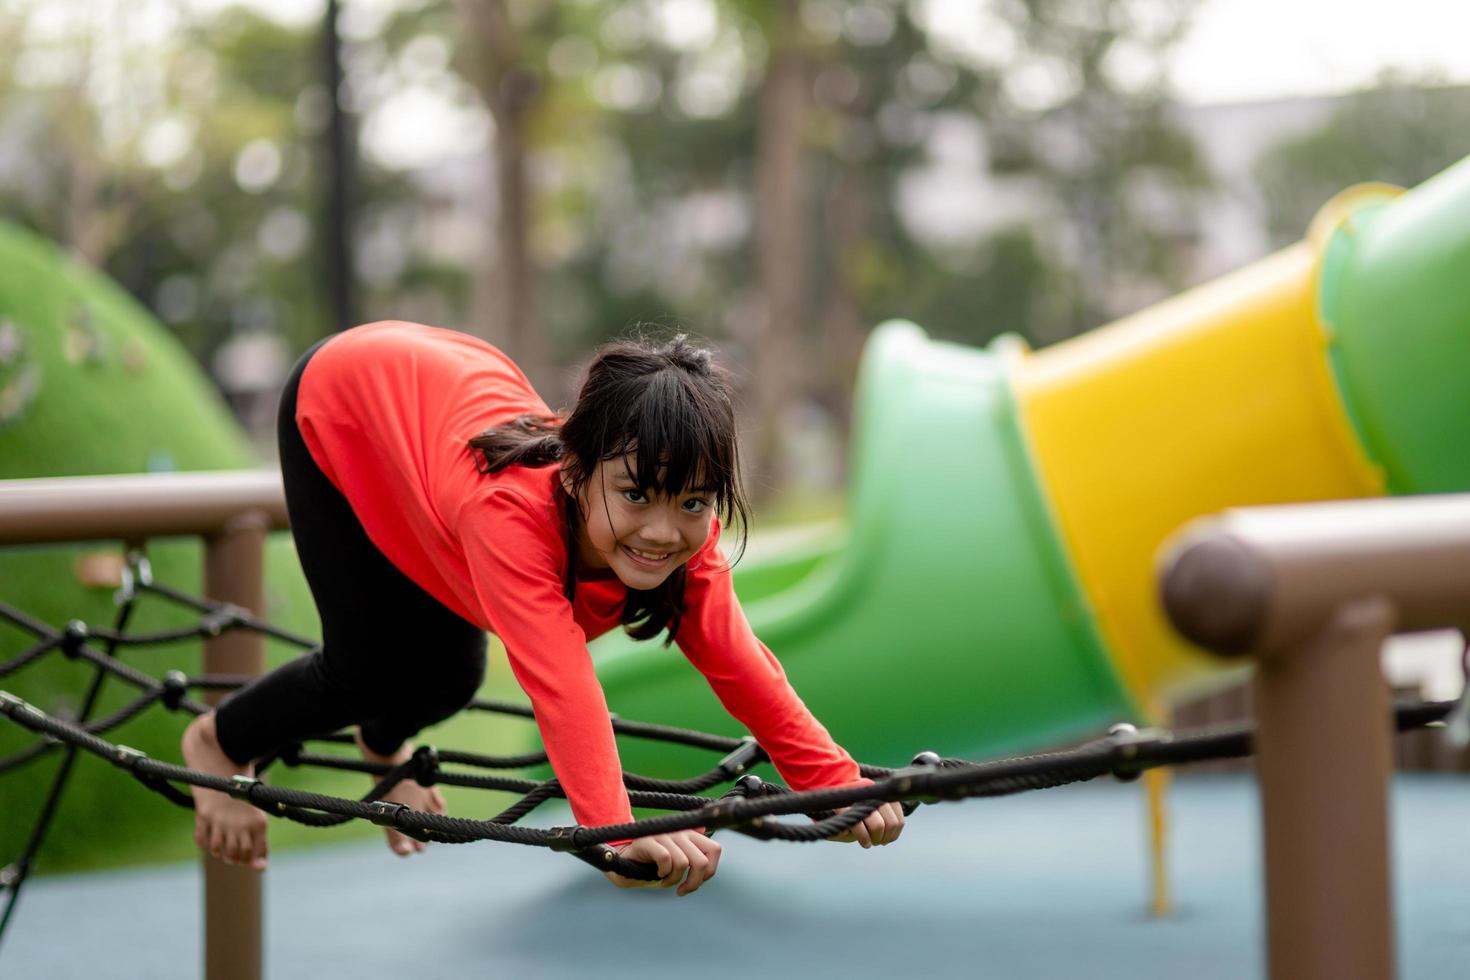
(433, 497)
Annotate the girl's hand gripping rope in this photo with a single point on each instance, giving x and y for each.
(685, 856)
(882, 826)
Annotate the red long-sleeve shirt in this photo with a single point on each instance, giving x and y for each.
(387, 411)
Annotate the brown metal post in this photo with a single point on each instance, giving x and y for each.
(234, 562)
(1312, 591)
(1324, 757)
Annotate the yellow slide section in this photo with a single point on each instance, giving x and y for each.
(1219, 397)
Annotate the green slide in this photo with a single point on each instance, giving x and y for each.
(949, 598)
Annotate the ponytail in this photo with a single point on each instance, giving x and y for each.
(527, 440)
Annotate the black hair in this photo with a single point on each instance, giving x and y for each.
(669, 406)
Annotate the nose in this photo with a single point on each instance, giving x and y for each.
(661, 529)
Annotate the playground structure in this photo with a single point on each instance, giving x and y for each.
(232, 511)
(1006, 507)
(1312, 590)
(1007, 510)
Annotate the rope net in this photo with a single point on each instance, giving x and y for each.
(748, 805)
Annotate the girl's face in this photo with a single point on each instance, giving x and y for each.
(642, 536)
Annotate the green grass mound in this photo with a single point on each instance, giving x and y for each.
(91, 384)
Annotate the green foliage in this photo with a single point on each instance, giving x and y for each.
(110, 392)
(620, 179)
(104, 377)
(1004, 284)
(91, 385)
(1402, 131)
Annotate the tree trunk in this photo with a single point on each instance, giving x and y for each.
(337, 219)
(781, 241)
(844, 328)
(503, 305)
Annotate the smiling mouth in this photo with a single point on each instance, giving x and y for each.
(650, 559)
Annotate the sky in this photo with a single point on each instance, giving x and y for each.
(1236, 50)
(1245, 50)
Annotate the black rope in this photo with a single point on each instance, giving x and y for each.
(30, 656)
(1121, 756)
(621, 726)
(241, 617)
(100, 726)
(19, 872)
(750, 806)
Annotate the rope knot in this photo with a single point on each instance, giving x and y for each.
(425, 765)
(73, 637)
(175, 687)
(749, 786)
(1127, 740)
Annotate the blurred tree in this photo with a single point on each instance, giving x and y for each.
(340, 171)
(64, 89)
(782, 232)
(777, 177)
(1403, 130)
(500, 59)
(1051, 114)
(1082, 105)
(739, 167)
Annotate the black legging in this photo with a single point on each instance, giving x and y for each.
(393, 659)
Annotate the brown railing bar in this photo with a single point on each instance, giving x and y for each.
(232, 511)
(1312, 591)
(136, 506)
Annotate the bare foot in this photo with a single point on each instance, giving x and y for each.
(230, 829)
(409, 793)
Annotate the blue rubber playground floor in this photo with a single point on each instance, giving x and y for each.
(1044, 885)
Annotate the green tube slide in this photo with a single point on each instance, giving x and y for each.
(946, 602)
(949, 615)
(1394, 302)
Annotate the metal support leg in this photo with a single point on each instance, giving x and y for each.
(1325, 756)
(234, 573)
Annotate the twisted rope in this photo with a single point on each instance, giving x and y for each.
(750, 806)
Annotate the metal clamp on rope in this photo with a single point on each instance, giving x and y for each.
(127, 757)
(12, 873)
(137, 574)
(924, 764)
(604, 858)
(721, 812)
(216, 622)
(563, 839)
(747, 787)
(386, 814)
(748, 754)
(241, 786)
(1127, 740)
(175, 687)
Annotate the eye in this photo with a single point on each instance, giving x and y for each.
(635, 496)
(696, 505)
